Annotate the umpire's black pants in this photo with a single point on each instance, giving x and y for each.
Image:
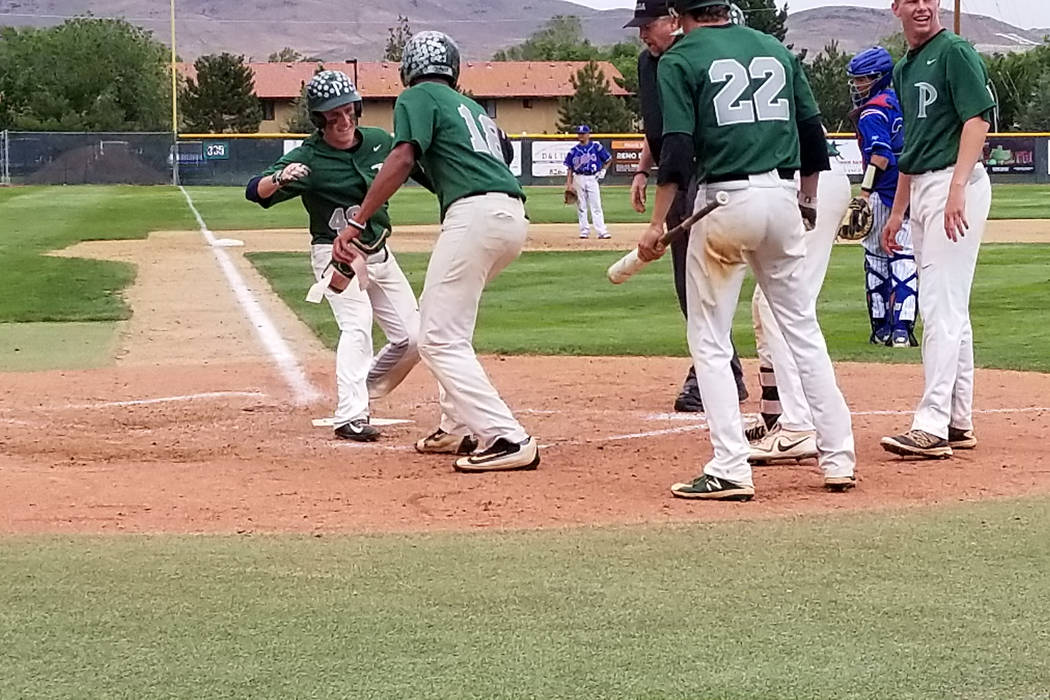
(681, 210)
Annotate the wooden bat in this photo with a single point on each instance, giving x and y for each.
(630, 264)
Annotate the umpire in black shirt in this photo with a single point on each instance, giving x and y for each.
(658, 31)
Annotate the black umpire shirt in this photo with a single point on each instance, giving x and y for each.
(649, 98)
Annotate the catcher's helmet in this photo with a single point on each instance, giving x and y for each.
(430, 54)
(874, 63)
(327, 90)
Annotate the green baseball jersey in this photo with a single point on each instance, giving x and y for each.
(457, 143)
(941, 85)
(739, 93)
(338, 179)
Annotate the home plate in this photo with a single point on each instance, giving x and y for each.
(377, 422)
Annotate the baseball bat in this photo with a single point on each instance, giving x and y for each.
(630, 264)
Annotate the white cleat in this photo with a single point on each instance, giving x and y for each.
(780, 444)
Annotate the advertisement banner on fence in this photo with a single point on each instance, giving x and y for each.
(515, 165)
(548, 157)
(849, 155)
(626, 156)
(1014, 155)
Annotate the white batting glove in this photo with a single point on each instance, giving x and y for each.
(290, 173)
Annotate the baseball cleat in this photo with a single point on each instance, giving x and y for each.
(605, 236)
(917, 443)
(880, 337)
(754, 427)
(713, 488)
(838, 484)
(688, 400)
(959, 439)
(440, 442)
(900, 339)
(357, 430)
(781, 444)
(584, 234)
(503, 456)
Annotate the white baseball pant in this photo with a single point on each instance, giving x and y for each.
(833, 196)
(390, 300)
(761, 227)
(589, 196)
(946, 272)
(479, 237)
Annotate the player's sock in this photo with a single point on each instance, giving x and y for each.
(769, 405)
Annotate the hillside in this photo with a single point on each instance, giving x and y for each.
(332, 29)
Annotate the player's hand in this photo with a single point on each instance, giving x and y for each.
(650, 247)
(955, 223)
(638, 185)
(291, 173)
(889, 234)
(343, 248)
(809, 216)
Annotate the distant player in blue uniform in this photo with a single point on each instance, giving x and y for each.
(892, 284)
(586, 164)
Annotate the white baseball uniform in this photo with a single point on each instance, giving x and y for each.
(589, 197)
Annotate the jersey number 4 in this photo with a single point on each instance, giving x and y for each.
(764, 106)
(489, 143)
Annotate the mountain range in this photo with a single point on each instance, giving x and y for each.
(331, 29)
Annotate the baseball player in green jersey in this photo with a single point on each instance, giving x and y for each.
(739, 113)
(331, 172)
(483, 229)
(943, 89)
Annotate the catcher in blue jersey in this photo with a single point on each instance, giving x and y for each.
(892, 284)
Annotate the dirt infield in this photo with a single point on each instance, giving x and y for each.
(193, 430)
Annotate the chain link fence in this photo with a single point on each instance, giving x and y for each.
(51, 158)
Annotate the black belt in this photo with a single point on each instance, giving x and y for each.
(784, 173)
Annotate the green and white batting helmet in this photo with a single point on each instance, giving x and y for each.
(682, 6)
(429, 54)
(327, 90)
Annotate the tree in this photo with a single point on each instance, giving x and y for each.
(559, 39)
(593, 103)
(299, 122)
(222, 98)
(397, 38)
(86, 74)
(1036, 115)
(896, 44)
(764, 16)
(827, 77)
(285, 55)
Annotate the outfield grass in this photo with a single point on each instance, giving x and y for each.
(226, 208)
(944, 603)
(561, 303)
(36, 220)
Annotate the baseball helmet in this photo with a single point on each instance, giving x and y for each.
(583, 129)
(429, 54)
(736, 15)
(874, 63)
(683, 6)
(327, 90)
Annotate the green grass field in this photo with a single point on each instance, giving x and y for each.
(948, 602)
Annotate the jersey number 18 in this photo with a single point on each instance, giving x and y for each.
(765, 105)
(489, 143)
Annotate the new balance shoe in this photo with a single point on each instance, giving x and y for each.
(503, 456)
(917, 443)
(781, 444)
(838, 484)
(959, 439)
(440, 442)
(713, 488)
(357, 430)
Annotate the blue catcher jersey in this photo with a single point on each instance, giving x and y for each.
(880, 131)
(587, 159)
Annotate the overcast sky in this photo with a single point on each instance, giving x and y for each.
(1028, 14)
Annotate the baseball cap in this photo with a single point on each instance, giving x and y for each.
(648, 10)
(583, 129)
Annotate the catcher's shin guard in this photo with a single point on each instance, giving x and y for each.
(878, 283)
(904, 281)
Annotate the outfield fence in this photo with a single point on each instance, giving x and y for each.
(55, 158)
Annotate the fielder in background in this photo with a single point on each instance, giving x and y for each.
(658, 30)
(947, 103)
(585, 165)
(483, 229)
(331, 172)
(738, 112)
(891, 279)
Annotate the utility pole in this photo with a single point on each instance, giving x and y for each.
(958, 17)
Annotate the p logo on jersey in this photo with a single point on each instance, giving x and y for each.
(927, 96)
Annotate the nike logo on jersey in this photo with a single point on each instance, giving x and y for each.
(377, 148)
(377, 166)
(931, 61)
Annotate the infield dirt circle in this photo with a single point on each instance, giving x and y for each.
(193, 430)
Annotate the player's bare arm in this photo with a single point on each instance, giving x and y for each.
(290, 173)
(395, 171)
(971, 144)
(641, 178)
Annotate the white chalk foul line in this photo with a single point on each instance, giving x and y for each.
(170, 399)
(303, 390)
